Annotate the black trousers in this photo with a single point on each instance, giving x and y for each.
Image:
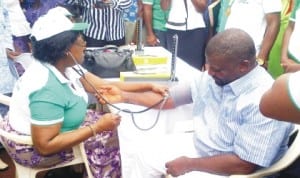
(191, 45)
(91, 42)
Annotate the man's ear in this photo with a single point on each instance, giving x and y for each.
(245, 65)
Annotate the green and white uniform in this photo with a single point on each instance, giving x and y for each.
(51, 98)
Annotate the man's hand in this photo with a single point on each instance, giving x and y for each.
(289, 65)
(152, 40)
(178, 167)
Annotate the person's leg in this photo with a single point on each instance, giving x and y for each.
(27, 156)
(170, 33)
(191, 45)
(150, 158)
(129, 31)
(198, 174)
(103, 151)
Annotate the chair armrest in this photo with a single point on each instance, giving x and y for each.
(4, 99)
(23, 139)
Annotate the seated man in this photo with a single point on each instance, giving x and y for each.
(230, 135)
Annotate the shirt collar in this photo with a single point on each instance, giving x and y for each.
(58, 75)
(240, 85)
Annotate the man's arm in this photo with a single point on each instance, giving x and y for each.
(225, 164)
(288, 64)
(277, 104)
(98, 82)
(177, 95)
(272, 29)
(165, 4)
(146, 99)
(112, 94)
(151, 38)
(200, 5)
(285, 40)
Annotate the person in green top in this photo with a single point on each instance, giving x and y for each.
(274, 63)
(155, 19)
(290, 55)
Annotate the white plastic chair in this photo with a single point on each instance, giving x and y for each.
(288, 158)
(27, 172)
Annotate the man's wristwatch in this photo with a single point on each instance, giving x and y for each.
(260, 61)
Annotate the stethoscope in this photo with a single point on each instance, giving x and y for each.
(119, 110)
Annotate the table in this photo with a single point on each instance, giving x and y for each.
(170, 121)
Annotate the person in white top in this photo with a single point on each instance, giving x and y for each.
(21, 30)
(259, 18)
(186, 20)
(19, 25)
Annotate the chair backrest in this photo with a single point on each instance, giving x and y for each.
(27, 172)
(289, 157)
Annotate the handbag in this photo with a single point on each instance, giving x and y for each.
(108, 61)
